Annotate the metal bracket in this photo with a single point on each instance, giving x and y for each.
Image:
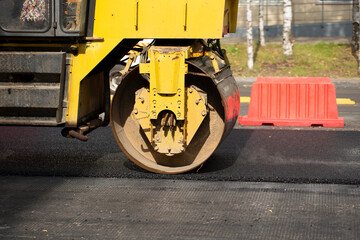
(167, 70)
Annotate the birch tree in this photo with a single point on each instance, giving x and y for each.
(249, 35)
(287, 44)
(261, 23)
(358, 60)
(355, 29)
(358, 32)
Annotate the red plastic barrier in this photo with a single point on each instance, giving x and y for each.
(298, 101)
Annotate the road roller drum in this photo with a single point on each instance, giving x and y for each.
(168, 144)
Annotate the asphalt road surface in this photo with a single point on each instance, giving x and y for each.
(308, 156)
(98, 208)
(261, 183)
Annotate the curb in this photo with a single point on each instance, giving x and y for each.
(340, 82)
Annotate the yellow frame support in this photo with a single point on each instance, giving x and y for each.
(167, 70)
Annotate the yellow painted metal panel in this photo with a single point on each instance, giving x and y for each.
(159, 19)
(87, 59)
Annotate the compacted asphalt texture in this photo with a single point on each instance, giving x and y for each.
(261, 183)
(307, 156)
(120, 208)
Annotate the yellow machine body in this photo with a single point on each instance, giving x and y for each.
(116, 20)
(171, 107)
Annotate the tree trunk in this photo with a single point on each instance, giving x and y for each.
(287, 44)
(261, 23)
(358, 34)
(355, 29)
(358, 59)
(249, 35)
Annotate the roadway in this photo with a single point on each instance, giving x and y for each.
(261, 183)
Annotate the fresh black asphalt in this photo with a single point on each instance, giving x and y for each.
(120, 208)
(308, 156)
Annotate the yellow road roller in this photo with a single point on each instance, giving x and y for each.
(168, 114)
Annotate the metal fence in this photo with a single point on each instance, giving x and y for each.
(311, 18)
